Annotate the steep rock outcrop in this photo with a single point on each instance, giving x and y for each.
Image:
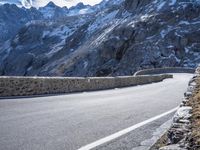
(118, 40)
(133, 5)
(13, 18)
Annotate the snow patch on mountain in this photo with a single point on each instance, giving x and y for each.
(101, 21)
(106, 39)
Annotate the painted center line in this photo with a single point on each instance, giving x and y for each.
(125, 131)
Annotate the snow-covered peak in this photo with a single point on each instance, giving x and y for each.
(51, 10)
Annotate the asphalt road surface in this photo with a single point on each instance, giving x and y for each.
(69, 122)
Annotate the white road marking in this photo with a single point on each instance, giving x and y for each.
(125, 131)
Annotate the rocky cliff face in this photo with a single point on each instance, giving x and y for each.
(117, 40)
(134, 5)
(13, 18)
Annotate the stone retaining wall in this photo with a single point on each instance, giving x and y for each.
(26, 86)
(164, 70)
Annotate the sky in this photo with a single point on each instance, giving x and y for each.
(74, 2)
(67, 3)
(39, 3)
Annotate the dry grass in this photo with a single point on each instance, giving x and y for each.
(195, 120)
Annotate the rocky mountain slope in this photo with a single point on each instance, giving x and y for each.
(12, 18)
(114, 38)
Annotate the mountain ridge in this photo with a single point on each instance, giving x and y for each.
(115, 40)
(37, 3)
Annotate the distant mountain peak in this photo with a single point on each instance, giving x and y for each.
(51, 4)
(80, 6)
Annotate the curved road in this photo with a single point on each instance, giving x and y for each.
(68, 122)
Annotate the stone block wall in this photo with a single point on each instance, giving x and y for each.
(29, 86)
(164, 70)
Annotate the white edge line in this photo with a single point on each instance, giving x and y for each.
(125, 131)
